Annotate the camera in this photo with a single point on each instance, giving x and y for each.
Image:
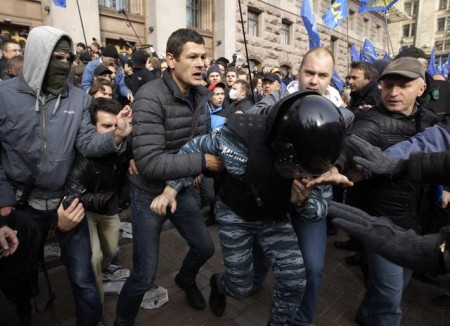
(97, 202)
(71, 196)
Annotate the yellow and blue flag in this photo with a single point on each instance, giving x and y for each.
(60, 3)
(375, 5)
(309, 20)
(336, 14)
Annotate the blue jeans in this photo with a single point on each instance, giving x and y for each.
(76, 257)
(147, 228)
(382, 302)
(312, 239)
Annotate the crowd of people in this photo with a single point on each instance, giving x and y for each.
(88, 131)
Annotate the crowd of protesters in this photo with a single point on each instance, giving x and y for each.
(262, 149)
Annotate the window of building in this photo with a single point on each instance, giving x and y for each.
(447, 45)
(285, 33)
(334, 45)
(411, 7)
(193, 13)
(115, 4)
(438, 45)
(441, 24)
(379, 35)
(351, 20)
(408, 30)
(366, 26)
(252, 22)
(443, 4)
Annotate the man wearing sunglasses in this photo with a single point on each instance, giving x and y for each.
(266, 159)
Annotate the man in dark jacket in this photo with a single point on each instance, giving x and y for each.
(396, 118)
(141, 73)
(97, 182)
(167, 113)
(363, 82)
(44, 121)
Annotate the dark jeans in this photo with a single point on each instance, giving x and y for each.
(147, 228)
(76, 256)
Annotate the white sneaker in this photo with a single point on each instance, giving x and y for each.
(116, 273)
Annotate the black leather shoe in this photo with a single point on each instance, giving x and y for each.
(350, 244)
(354, 260)
(217, 300)
(193, 295)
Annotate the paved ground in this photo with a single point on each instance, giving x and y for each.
(341, 291)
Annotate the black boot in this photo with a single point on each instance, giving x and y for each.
(217, 300)
(193, 295)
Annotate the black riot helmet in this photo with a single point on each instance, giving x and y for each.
(306, 132)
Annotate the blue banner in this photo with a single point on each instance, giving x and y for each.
(375, 5)
(60, 3)
(309, 20)
(439, 67)
(431, 67)
(387, 57)
(354, 53)
(368, 52)
(337, 81)
(336, 14)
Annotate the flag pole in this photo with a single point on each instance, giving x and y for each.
(387, 32)
(82, 26)
(246, 53)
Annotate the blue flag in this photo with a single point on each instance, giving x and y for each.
(387, 57)
(431, 68)
(354, 53)
(309, 20)
(337, 81)
(445, 67)
(375, 5)
(336, 14)
(368, 52)
(439, 67)
(60, 3)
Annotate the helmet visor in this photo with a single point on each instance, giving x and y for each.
(287, 163)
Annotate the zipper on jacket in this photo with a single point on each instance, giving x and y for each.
(44, 141)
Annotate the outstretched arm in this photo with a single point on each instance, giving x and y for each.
(405, 248)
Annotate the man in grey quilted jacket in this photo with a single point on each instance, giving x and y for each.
(168, 112)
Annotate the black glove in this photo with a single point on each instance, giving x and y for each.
(372, 157)
(401, 247)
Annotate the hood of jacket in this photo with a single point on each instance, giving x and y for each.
(40, 44)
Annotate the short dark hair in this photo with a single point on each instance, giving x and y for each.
(15, 65)
(104, 104)
(99, 84)
(231, 70)
(179, 38)
(244, 85)
(10, 41)
(370, 71)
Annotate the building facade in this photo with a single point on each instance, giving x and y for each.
(424, 24)
(274, 30)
